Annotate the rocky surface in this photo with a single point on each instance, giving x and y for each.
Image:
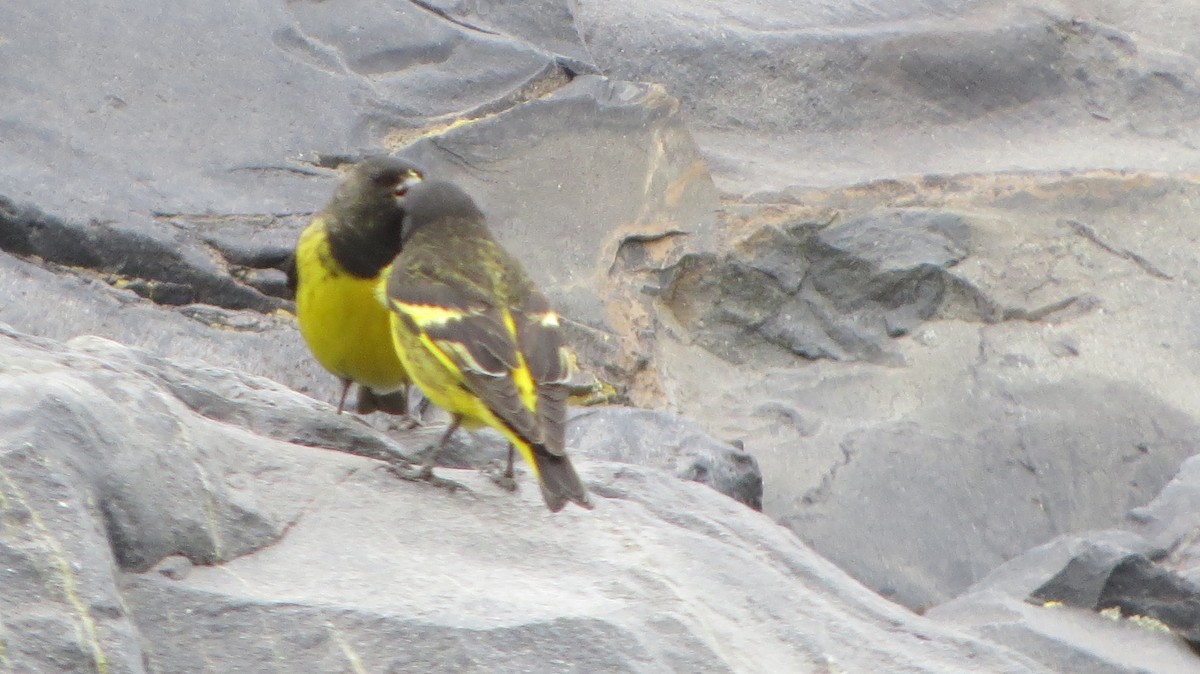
(929, 263)
(1128, 586)
(659, 439)
(1030, 389)
(1065, 605)
(160, 516)
(1139, 578)
(828, 93)
(1063, 637)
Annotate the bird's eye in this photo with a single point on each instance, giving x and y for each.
(410, 179)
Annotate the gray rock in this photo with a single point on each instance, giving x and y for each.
(895, 265)
(42, 299)
(574, 178)
(165, 266)
(913, 490)
(1171, 521)
(836, 291)
(548, 24)
(818, 93)
(204, 193)
(664, 441)
(1042, 601)
(1042, 395)
(1082, 582)
(723, 303)
(1134, 586)
(1064, 638)
(934, 372)
(341, 75)
(312, 560)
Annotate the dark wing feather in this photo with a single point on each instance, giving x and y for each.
(541, 343)
(483, 337)
(293, 276)
(502, 397)
(476, 341)
(482, 344)
(552, 417)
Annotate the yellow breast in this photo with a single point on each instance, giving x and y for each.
(345, 326)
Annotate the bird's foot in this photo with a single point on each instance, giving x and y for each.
(406, 422)
(502, 477)
(424, 473)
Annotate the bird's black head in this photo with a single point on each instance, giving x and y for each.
(438, 203)
(366, 213)
(379, 182)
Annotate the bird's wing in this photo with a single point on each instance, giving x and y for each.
(293, 276)
(472, 336)
(540, 340)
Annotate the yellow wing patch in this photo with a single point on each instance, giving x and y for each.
(459, 352)
(510, 325)
(442, 357)
(451, 354)
(521, 375)
(524, 381)
(428, 314)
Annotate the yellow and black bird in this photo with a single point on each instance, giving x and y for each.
(478, 337)
(340, 258)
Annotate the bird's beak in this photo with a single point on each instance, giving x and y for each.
(409, 180)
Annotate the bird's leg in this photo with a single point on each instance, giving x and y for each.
(345, 389)
(395, 404)
(505, 480)
(425, 472)
(417, 418)
(432, 451)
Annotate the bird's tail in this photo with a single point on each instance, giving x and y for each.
(559, 481)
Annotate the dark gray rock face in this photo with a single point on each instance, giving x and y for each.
(826, 93)
(1030, 390)
(910, 489)
(930, 263)
(1132, 585)
(571, 178)
(58, 304)
(650, 438)
(158, 521)
(1171, 520)
(837, 291)
(1063, 637)
(206, 187)
(1140, 579)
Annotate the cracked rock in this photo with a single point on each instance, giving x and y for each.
(843, 291)
(658, 439)
(160, 519)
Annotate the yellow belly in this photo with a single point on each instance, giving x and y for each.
(346, 328)
(440, 384)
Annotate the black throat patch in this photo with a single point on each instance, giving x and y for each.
(365, 238)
